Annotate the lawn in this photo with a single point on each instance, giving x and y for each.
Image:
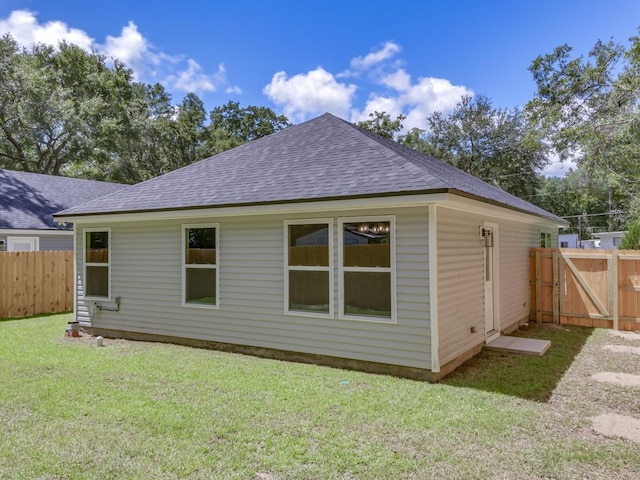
(71, 410)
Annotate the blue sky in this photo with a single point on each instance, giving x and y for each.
(303, 58)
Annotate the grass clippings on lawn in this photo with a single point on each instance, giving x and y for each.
(71, 410)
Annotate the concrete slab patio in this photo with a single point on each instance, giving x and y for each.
(528, 346)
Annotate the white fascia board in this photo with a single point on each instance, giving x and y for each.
(23, 231)
(469, 205)
(450, 200)
(273, 209)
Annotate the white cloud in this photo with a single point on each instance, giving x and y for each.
(193, 79)
(234, 89)
(25, 29)
(314, 92)
(130, 47)
(388, 50)
(557, 167)
(415, 101)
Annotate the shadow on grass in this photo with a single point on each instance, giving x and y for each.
(525, 376)
(32, 317)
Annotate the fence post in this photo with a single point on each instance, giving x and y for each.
(538, 290)
(613, 288)
(556, 287)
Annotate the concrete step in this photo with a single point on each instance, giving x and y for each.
(528, 346)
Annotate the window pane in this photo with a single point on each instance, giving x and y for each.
(367, 294)
(201, 286)
(309, 291)
(309, 245)
(201, 246)
(367, 244)
(97, 282)
(97, 250)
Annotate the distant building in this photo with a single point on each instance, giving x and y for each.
(610, 240)
(568, 240)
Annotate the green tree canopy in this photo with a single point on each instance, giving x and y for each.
(59, 105)
(589, 111)
(382, 124)
(496, 145)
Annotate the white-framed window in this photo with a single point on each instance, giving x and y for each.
(367, 268)
(308, 275)
(23, 244)
(545, 239)
(97, 263)
(3, 246)
(200, 277)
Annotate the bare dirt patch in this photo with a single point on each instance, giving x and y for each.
(623, 349)
(623, 379)
(632, 336)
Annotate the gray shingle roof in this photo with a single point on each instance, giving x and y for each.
(323, 158)
(27, 200)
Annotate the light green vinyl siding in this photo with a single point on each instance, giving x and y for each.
(146, 274)
(460, 283)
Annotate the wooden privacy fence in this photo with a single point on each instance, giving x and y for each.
(591, 288)
(32, 283)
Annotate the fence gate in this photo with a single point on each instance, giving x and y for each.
(594, 288)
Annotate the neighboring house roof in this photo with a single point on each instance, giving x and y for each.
(321, 159)
(610, 234)
(27, 200)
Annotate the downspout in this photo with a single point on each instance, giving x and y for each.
(433, 289)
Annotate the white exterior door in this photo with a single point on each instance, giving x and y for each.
(22, 244)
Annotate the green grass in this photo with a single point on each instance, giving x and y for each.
(526, 376)
(71, 410)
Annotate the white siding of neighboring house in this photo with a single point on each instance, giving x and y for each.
(56, 242)
(146, 274)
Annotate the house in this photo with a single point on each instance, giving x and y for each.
(590, 244)
(320, 243)
(27, 201)
(568, 240)
(609, 240)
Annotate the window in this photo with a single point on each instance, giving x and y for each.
(23, 244)
(3, 246)
(617, 241)
(308, 267)
(97, 263)
(564, 244)
(367, 268)
(200, 265)
(545, 239)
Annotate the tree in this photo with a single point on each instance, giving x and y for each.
(381, 123)
(589, 111)
(631, 240)
(584, 200)
(59, 105)
(246, 124)
(496, 145)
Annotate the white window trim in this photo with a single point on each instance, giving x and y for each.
(215, 267)
(329, 268)
(87, 264)
(12, 240)
(392, 269)
(548, 234)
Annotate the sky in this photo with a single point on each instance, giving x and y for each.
(350, 58)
